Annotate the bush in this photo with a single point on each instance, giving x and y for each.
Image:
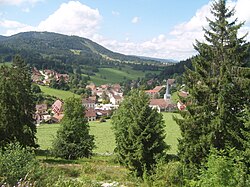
(17, 163)
(167, 174)
(223, 170)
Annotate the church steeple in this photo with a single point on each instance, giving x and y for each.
(167, 94)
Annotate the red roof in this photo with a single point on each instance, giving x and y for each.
(90, 113)
(57, 106)
(158, 88)
(162, 103)
(151, 91)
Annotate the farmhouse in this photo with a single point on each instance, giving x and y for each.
(57, 107)
(90, 114)
(153, 94)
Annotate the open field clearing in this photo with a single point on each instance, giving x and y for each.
(61, 94)
(104, 136)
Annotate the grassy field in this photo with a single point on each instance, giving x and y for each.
(6, 63)
(104, 136)
(61, 94)
(111, 75)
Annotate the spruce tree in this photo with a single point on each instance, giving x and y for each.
(73, 139)
(217, 91)
(139, 133)
(16, 105)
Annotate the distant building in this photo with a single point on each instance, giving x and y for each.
(170, 82)
(153, 94)
(42, 109)
(116, 99)
(88, 103)
(57, 107)
(90, 114)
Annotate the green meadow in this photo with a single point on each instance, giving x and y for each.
(61, 94)
(104, 136)
(111, 75)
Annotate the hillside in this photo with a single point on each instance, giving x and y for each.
(40, 46)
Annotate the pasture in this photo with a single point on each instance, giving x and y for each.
(61, 94)
(112, 75)
(104, 136)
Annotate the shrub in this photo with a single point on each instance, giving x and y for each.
(222, 170)
(17, 163)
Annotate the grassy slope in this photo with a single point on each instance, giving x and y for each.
(111, 75)
(61, 94)
(6, 63)
(104, 136)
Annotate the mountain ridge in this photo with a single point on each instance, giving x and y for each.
(48, 43)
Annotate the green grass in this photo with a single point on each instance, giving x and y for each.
(172, 132)
(61, 94)
(104, 136)
(45, 135)
(111, 75)
(6, 63)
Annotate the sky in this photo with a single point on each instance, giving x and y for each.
(153, 28)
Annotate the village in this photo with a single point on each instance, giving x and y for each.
(104, 99)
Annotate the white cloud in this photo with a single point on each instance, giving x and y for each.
(18, 2)
(73, 18)
(135, 20)
(178, 44)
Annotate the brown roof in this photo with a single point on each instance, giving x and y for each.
(158, 88)
(183, 94)
(88, 100)
(90, 113)
(162, 103)
(171, 81)
(41, 107)
(91, 86)
(58, 117)
(151, 91)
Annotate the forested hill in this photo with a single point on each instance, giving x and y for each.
(46, 46)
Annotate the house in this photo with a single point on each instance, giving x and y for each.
(183, 94)
(90, 114)
(160, 104)
(158, 88)
(56, 118)
(60, 77)
(116, 87)
(88, 103)
(116, 99)
(41, 109)
(57, 107)
(49, 73)
(153, 94)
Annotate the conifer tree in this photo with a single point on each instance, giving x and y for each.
(16, 105)
(217, 91)
(139, 133)
(73, 139)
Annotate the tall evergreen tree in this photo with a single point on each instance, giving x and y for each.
(73, 139)
(16, 104)
(139, 133)
(217, 91)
